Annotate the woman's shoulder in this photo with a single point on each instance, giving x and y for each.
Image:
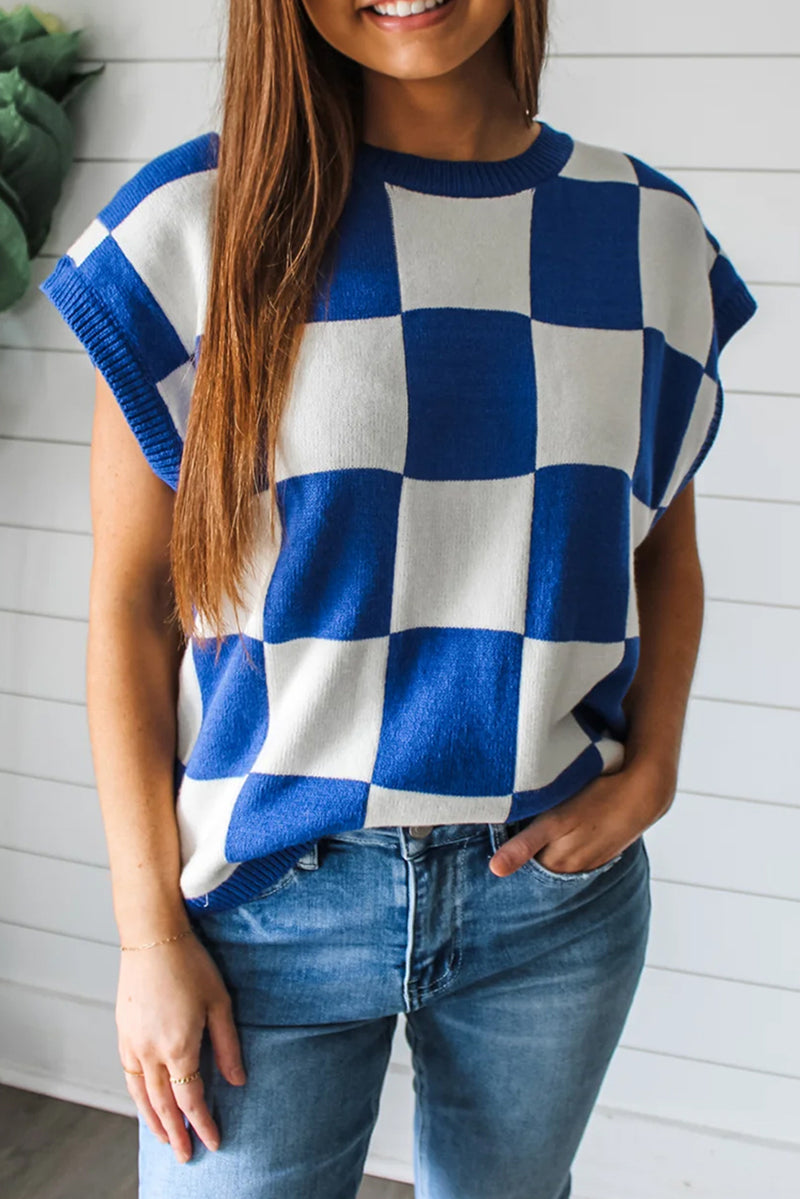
(652, 187)
(158, 204)
(132, 287)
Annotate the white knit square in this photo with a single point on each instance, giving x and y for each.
(180, 211)
(555, 676)
(462, 251)
(203, 810)
(462, 553)
(389, 806)
(347, 405)
(676, 294)
(175, 390)
(325, 707)
(695, 435)
(588, 395)
(94, 233)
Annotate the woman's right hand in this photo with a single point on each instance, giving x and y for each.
(165, 997)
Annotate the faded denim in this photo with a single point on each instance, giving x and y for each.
(515, 991)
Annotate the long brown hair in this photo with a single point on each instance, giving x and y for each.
(291, 118)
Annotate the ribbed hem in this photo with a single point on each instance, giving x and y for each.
(470, 177)
(733, 312)
(100, 333)
(248, 880)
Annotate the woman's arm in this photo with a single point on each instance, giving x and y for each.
(670, 590)
(608, 814)
(132, 663)
(169, 992)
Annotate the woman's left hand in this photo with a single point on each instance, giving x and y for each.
(594, 825)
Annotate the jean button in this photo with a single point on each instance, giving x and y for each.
(419, 831)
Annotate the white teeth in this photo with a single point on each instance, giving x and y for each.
(406, 8)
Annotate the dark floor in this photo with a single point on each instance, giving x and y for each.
(101, 1162)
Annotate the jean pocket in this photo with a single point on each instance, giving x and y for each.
(504, 832)
(566, 877)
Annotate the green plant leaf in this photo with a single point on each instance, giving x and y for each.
(15, 268)
(77, 83)
(39, 109)
(35, 152)
(19, 26)
(11, 198)
(46, 62)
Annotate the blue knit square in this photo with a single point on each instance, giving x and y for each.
(226, 745)
(584, 262)
(471, 393)
(670, 381)
(151, 335)
(335, 578)
(450, 711)
(580, 540)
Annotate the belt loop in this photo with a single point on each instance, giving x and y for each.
(498, 835)
(310, 859)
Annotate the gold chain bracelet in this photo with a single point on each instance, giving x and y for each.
(163, 940)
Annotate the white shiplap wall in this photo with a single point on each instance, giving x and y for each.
(704, 1090)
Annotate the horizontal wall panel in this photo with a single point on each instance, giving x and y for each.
(754, 455)
(735, 845)
(681, 112)
(137, 110)
(749, 653)
(64, 1041)
(740, 937)
(759, 571)
(625, 1156)
(47, 395)
(45, 486)
(741, 750)
(681, 27)
(46, 574)
(33, 890)
(45, 657)
(69, 965)
(747, 1103)
(46, 739)
(715, 1020)
(60, 820)
(150, 29)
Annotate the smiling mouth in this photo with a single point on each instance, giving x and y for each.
(413, 14)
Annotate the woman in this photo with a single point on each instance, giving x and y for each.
(388, 661)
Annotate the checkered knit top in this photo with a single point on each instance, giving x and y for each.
(516, 374)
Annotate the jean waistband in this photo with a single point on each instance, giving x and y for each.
(412, 836)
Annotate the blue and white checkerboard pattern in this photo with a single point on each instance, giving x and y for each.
(512, 375)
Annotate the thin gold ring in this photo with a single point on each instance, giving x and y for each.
(188, 1078)
(138, 1073)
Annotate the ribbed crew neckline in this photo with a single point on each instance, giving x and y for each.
(546, 155)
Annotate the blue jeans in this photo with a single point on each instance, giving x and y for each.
(515, 992)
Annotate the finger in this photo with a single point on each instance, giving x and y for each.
(162, 1098)
(189, 1097)
(138, 1092)
(225, 1042)
(521, 847)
